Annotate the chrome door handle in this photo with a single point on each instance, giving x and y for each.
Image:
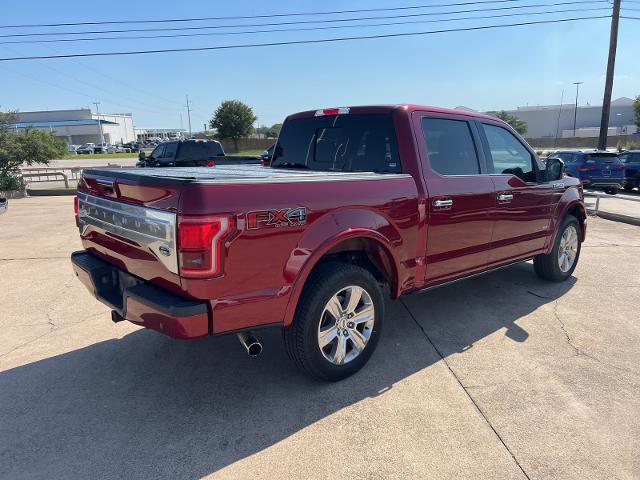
(442, 203)
(505, 197)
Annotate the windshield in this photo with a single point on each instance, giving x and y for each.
(348, 143)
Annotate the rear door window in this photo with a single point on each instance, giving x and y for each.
(508, 155)
(348, 143)
(450, 146)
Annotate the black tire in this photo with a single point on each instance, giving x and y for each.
(628, 187)
(546, 266)
(301, 338)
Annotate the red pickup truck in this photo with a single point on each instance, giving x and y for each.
(354, 199)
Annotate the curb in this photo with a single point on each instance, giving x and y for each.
(616, 217)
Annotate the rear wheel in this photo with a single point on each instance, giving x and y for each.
(337, 322)
(611, 191)
(562, 261)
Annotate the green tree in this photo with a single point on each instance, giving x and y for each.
(518, 125)
(636, 110)
(274, 130)
(27, 147)
(234, 120)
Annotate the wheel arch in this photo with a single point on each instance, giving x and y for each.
(363, 246)
(570, 204)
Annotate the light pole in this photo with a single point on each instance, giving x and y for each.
(189, 114)
(99, 122)
(575, 111)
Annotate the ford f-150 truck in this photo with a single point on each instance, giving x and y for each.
(355, 199)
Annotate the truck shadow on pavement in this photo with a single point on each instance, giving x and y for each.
(146, 406)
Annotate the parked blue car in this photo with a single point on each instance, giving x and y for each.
(631, 162)
(595, 169)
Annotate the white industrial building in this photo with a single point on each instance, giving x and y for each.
(556, 121)
(80, 126)
(143, 134)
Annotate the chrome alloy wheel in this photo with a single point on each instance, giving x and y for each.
(346, 325)
(568, 248)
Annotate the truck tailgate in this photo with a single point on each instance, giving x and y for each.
(131, 225)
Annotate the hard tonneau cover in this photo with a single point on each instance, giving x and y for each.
(233, 174)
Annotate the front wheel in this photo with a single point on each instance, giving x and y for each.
(562, 261)
(337, 323)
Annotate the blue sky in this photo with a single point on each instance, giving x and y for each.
(484, 70)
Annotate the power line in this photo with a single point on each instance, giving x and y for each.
(300, 42)
(300, 22)
(274, 15)
(330, 27)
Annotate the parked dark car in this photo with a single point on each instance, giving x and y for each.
(133, 146)
(631, 161)
(191, 153)
(594, 168)
(4, 204)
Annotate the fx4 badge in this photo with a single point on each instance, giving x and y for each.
(288, 217)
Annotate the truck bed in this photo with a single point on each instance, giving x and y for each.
(235, 174)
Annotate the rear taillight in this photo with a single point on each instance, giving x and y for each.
(585, 168)
(75, 210)
(201, 244)
(211, 163)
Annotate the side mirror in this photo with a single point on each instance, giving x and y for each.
(141, 155)
(554, 169)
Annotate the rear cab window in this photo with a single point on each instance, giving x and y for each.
(343, 143)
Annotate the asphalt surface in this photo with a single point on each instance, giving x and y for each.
(499, 376)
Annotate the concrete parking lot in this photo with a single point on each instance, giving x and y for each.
(499, 376)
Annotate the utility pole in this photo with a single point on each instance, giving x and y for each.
(575, 111)
(205, 129)
(189, 114)
(559, 115)
(99, 122)
(608, 86)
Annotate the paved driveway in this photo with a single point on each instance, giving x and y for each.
(500, 376)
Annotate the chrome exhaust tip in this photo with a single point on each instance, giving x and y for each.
(251, 344)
